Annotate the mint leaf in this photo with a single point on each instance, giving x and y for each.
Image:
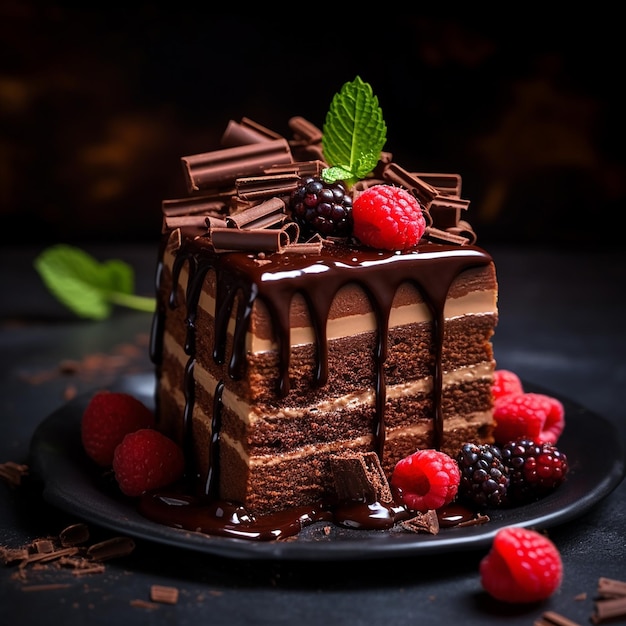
(87, 287)
(354, 133)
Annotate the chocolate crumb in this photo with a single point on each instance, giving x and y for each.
(144, 604)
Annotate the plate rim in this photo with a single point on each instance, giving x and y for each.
(51, 467)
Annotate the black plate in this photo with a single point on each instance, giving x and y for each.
(591, 443)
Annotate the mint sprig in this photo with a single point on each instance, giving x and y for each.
(354, 133)
(87, 287)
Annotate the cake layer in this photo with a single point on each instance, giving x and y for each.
(392, 359)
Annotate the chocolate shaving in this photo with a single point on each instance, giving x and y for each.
(74, 535)
(264, 215)
(360, 477)
(111, 548)
(245, 132)
(222, 167)
(196, 205)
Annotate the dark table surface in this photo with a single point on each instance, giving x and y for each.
(561, 327)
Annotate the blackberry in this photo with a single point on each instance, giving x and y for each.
(323, 208)
(484, 477)
(535, 469)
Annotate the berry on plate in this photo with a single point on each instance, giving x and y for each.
(108, 417)
(535, 469)
(522, 566)
(146, 459)
(388, 217)
(484, 477)
(425, 480)
(535, 416)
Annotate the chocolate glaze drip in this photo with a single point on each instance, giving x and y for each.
(242, 278)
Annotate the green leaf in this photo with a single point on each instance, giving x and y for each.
(354, 133)
(87, 287)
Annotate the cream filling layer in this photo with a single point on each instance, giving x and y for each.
(248, 415)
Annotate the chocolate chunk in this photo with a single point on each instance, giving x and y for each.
(360, 477)
(427, 522)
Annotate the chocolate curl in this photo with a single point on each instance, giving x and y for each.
(397, 175)
(437, 235)
(195, 205)
(311, 247)
(222, 167)
(446, 211)
(262, 215)
(245, 132)
(253, 240)
(445, 184)
(255, 187)
(463, 229)
(304, 130)
(189, 221)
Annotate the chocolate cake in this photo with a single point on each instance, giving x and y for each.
(279, 351)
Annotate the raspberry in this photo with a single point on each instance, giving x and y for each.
(484, 477)
(535, 469)
(388, 217)
(146, 460)
(323, 208)
(522, 566)
(425, 480)
(109, 416)
(506, 383)
(532, 415)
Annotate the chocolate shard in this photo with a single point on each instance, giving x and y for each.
(605, 610)
(427, 522)
(611, 588)
(443, 236)
(220, 168)
(359, 477)
(196, 205)
(397, 175)
(301, 168)
(246, 131)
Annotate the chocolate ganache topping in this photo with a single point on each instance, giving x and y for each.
(236, 223)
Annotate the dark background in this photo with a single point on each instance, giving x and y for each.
(97, 105)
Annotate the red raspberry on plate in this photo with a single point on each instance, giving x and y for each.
(388, 217)
(146, 460)
(534, 416)
(425, 480)
(506, 382)
(522, 566)
(108, 417)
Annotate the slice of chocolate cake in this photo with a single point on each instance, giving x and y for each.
(277, 350)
